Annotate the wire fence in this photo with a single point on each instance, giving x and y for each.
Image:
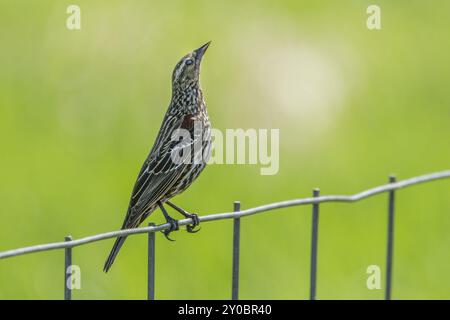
(315, 200)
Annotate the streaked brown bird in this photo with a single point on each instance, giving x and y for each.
(163, 174)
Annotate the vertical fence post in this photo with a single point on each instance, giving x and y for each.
(390, 240)
(151, 265)
(236, 244)
(314, 237)
(67, 270)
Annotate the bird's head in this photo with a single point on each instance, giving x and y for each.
(187, 70)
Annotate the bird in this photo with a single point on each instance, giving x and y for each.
(171, 166)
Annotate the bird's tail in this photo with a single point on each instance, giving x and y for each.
(112, 255)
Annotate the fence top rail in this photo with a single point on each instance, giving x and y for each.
(231, 215)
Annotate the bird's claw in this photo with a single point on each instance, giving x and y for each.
(190, 227)
(173, 227)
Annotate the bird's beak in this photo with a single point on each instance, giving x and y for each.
(201, 51)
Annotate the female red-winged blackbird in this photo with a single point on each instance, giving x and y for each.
(163, 175)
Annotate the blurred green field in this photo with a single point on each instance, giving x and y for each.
(79, 111)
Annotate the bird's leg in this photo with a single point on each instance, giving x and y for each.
(169, 219)
(190, 227)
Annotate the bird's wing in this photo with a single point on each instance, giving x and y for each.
(157, 176)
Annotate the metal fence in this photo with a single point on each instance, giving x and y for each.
(315, 200)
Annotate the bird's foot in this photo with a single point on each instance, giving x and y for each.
(173, 227)
(191, 227)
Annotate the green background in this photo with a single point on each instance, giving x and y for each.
(79, 111)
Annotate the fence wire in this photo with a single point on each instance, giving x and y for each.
(393, 185)
(231, 215)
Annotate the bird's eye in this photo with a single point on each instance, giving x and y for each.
(189, 62)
